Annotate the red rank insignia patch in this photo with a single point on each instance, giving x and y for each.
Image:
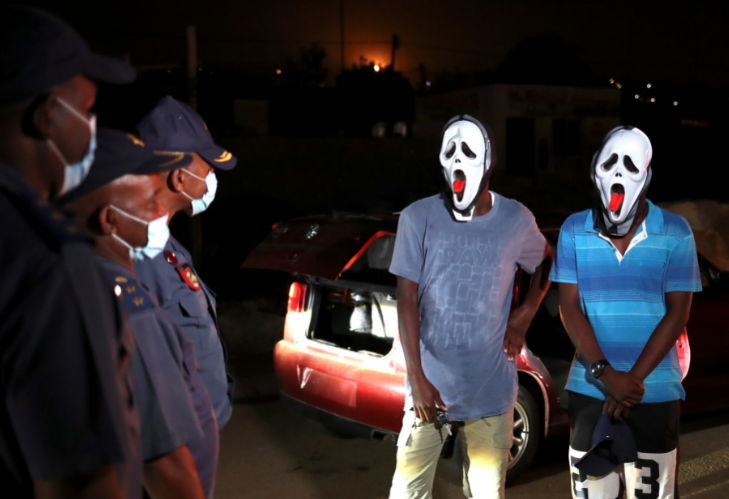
(170, 257)
(188, 276)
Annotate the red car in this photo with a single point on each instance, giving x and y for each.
(340, 361)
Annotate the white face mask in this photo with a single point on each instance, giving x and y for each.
(621, 171)
(74, 174)
(202, 204)
(157, 235)
(465, 156)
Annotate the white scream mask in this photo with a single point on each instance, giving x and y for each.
(621, 171)
(465, 155)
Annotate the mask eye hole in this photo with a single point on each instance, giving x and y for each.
(609, 163)
(467, 151)
(629, 164)
(451, 150)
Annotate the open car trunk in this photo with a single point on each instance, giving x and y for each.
(355, 316)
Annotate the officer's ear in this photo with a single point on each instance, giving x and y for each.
(107, 221)
(175, 179)
(39, 115)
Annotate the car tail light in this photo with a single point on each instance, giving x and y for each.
(297, 296)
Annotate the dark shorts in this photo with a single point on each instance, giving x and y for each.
(652, 475)
(654, 426)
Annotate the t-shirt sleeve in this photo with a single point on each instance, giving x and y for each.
(165, 405)
(564, 268)
(56, 399)
(408, 255)
(682, 271)
(531, 253)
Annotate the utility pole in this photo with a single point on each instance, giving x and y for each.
(341, 30)
(191, 63)
(395, 46)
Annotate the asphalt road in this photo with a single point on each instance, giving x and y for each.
(267, 452)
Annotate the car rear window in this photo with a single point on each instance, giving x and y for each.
(360, 320)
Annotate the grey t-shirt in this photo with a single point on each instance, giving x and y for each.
(465, 273)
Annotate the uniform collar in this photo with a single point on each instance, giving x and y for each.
(116, 268)
(13, 180)
(653, 222)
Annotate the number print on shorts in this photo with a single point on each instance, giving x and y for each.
(578, 477)
(651, 479)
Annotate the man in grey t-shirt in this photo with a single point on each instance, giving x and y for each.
(455, 259)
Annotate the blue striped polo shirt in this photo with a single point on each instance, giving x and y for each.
(623, 296)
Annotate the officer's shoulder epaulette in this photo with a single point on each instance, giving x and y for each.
(51, 222)
(135, 297)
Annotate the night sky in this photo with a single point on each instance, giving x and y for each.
(683, 42)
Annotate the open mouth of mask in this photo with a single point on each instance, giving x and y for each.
(617, 196)
(459, 184)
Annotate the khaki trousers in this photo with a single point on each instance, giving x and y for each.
(485, 445)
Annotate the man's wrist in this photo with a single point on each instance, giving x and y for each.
(607, 374)
(598, 367)
(524, 314)
(416, 375)
(637, 374)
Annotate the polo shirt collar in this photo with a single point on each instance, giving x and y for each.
(653, 222)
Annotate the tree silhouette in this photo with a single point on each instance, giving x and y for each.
(309, 71)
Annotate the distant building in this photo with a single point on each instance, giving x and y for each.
(545, 135)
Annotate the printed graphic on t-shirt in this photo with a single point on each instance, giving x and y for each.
(466, 295)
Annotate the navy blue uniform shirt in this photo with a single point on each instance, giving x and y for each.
(65, 353)
(172, 279)
(174, 405)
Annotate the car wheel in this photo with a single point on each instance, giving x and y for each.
(527, 433)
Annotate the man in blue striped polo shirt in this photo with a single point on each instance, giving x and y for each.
(627, 271)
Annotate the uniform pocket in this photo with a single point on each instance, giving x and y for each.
(197, 322)
(192, 307)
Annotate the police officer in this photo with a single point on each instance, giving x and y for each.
(171, 277)
(68, 424)
(119, 204)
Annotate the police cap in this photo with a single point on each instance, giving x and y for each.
(118, 154)
(39, 51)
(174, 126)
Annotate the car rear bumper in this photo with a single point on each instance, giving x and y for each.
(333, 421)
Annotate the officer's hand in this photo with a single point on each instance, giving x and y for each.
(614, 409)
(627, 389)
(425, 398)
(516, 330)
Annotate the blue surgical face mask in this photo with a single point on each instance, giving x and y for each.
(157, 235)
(202, 204)
(74, 174)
